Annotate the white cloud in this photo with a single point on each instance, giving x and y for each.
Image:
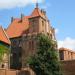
(56, 31)
(67, 43)
(5, 4)
(46, 6)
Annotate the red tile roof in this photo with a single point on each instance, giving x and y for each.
(3, 36)
(18, 27)
(36, 13)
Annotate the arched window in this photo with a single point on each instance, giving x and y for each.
(43, 26)
(31, 45)
(33, 25)
(2, 66)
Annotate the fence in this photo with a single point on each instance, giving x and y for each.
(68, 67)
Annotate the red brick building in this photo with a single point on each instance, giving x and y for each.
(22, 33)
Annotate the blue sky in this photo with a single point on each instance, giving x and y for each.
(61, 14)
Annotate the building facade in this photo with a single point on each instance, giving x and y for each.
(22, 33)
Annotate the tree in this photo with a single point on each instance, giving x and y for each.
(3, 50)
(45, 60)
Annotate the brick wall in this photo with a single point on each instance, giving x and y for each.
(7, 72)
(26, 71)
(68, 67)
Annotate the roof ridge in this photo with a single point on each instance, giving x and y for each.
(38, 11)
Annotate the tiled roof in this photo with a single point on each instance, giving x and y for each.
(18, 27)
(36, 13)
(3, 36)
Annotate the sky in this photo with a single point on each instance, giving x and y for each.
(61, 14)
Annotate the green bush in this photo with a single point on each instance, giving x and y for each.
(45, 60)
(3, 49)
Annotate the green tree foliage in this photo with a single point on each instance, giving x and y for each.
(45, 61)
(3, 49)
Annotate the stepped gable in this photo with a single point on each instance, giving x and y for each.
(3, 36)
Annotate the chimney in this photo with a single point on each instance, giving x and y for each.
(22, 15)
(37, 5)
(12, 19)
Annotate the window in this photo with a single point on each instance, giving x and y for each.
(51, 36)
(14, 42)
(34, 25)
(42, 23)
(43, 26)
(61, 55)
(2, 66)
(31, 45)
